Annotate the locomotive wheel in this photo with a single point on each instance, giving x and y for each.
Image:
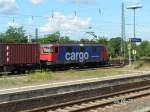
(54, 68)
(66, 67)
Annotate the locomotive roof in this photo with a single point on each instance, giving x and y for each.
(74, 44)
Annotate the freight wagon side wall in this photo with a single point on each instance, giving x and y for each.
(1, 60)
(20, 54)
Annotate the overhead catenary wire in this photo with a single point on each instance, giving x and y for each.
(36, 17)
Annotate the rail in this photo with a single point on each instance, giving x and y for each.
(96, 102)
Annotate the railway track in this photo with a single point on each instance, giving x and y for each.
(101, 102)
(77, 97)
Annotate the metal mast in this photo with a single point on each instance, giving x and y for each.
(36, 35)
(123, 46)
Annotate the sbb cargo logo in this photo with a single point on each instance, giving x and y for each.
(77, 56)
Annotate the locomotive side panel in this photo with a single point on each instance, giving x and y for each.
(48, 54)
(104, 54)
(95, 53)
(64, 54)
(80, 54)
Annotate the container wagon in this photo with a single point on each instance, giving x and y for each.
(70, 55)
(16, 58)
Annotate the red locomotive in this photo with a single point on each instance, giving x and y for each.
(17, 58)
(61, 55)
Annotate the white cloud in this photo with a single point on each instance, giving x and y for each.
(8, 6)
(36, 2)
(13, 24)
(51, 26)
(67, 23)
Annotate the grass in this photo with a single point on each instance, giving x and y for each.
(40, 76)
(48, 77)
(138, 64)
(143, 66)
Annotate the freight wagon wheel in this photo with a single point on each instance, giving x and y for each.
(59, 68)
(15, 72)
(22, 70)
(18, 71)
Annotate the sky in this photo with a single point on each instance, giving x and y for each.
(75, 18)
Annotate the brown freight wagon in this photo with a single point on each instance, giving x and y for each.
(18, 57)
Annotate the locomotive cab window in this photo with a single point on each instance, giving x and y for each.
(94, 49)
(48, 50)
(69, 49)
(82, 49)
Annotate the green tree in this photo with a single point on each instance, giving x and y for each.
(54, 37)
(1, 37)
(14, 35)
(144, 49)
(114, 47)
(64, 40)
(102, 40)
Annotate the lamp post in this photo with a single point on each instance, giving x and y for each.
(134, 7)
